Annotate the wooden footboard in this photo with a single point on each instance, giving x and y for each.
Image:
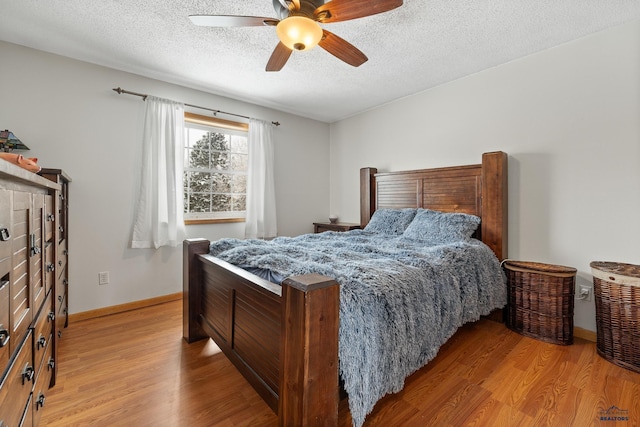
(283, 339)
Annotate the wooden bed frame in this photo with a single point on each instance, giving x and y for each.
(284, 339)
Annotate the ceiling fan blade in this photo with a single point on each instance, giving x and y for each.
(230, 21)
(343, 10)
(279, 57)
(290, 4)
(342, 49)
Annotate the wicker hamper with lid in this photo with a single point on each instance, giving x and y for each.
(540, 300)
(617, 294)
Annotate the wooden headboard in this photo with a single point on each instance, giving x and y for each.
(474, 189)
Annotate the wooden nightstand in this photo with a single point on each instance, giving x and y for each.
(319, 227)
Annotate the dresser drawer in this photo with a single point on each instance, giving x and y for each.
(43, 329)
(49, 218)
(9, 414)
(5, 227)
(3, 414)
(61, 316)
(62, 256)
(42, 384)
(5, 331)
(42, 281)
(17, 385)
(60, 226)
(49, 266)
(27, 415)
(61, 287)
(61, 296)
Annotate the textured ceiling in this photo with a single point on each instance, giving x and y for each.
(418, 46)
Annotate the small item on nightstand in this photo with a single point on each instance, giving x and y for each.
(333, 218)
(616, 287)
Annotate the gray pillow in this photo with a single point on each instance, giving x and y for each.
(437, 228)
(390, 221)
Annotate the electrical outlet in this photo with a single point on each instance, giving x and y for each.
(103, 278)
(584, 293)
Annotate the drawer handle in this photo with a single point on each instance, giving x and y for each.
(51, 267)
(51, 217)
(35, 250)
(59, 334)
(51, 364)
(4, 234)
(42, 342)
(65, 281)
(60, 298)
(27, 374)
(40, 401)
(4, 336)
(51, 316)
(60, 263)
(65, 252)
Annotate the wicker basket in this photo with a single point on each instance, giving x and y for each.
(617, 293)
(540, 300)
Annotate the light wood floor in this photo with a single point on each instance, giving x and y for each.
(134, 369)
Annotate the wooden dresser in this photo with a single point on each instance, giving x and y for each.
(32, 259)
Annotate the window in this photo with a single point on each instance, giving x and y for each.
(215, 169)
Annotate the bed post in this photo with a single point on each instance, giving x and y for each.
(191, 292)
(494, 202)
(367, 195)
(309, 391)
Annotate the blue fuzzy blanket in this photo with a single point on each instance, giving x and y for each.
(399, 299)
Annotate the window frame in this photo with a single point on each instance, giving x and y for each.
(215, 122)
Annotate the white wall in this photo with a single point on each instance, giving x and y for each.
(568, 117)
(66, 112)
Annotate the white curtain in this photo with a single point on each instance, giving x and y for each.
(261, 196)
(159, 219)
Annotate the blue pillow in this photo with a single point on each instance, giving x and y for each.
(390, 221)
(438, 228)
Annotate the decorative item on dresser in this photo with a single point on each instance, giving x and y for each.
(319, 227)
(290, 355)
(29, 246)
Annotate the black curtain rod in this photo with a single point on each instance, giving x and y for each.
(144, 98)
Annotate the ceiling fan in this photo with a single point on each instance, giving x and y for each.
(298, 26)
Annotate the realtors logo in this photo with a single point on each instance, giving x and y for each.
(614, 414)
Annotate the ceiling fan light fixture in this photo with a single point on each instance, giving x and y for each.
(299, 32)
